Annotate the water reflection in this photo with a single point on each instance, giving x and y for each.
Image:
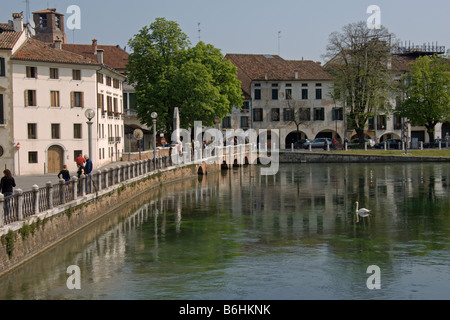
(240, 235)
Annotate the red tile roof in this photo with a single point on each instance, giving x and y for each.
(35, 50)
(258, 67)
(113, 56)
(8, 39)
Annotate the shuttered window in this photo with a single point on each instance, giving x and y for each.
(77, 99)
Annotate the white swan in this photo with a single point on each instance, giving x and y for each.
(363, 212)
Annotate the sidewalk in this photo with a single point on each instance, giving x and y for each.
(25, 182)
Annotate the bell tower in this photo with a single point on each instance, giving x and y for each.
(49, 25)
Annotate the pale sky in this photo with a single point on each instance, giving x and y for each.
(249, 26)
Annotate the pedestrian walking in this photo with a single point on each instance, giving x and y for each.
(7, 183)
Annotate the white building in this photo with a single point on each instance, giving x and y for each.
(52, 89)
(12, 35)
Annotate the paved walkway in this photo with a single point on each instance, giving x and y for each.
(25, 182)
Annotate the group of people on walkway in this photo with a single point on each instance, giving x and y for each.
(84, 166)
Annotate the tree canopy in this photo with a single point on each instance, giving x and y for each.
(427, 93)
(167, 72)
(359, 63)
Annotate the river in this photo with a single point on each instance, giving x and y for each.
(237, 235)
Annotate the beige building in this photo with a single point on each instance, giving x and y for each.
(285, 94)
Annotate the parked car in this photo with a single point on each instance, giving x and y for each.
(390, 144)
(299, 144)
(354, 144)
(318, 143)
(435, 144)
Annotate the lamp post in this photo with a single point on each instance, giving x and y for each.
(154, 115)
(89, 113)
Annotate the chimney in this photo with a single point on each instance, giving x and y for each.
(100, 56)
(58, 44)
(296, 75)
(266, 76)
(18, 22)
(94, 46)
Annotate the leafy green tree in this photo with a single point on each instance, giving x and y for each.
(359, 63)
(167, 73)
(427, 93)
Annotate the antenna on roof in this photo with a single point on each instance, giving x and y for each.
(279, 37)
(199, 30)
(27, 10)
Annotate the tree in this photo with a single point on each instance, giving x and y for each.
(167, 73)
(359, 63)
(427, 95)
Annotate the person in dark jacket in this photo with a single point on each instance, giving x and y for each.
(87, 171)
(7, 183)
(65, 174)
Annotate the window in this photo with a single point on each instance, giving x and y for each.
(371, 123)
(244, 122)
(246, 106)
(99, 77)
(288, 114)
(116, 84)
(30, 98)
(275, 114)
(305, 114)
(288, 94)
(32, 157)
(304, 94)
(31, 72)
(77, 99)
(54, 98)
(55, 131)
(115, 105)
(76, 74)
(2, 67)
(258, 114)
(257, 94)
(338, 114)
(31, 128)
(318, 94)
(274, 94)
(226, 122)
(2, 116)
(109, 105)
(397, 122)
(100, 103)
(76, 154)
(381, 122)
(54, 73)
(319, 114)
(43, 20)
(108, 81)
(77, 130)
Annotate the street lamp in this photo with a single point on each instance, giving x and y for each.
(154, 115)
(90, 114)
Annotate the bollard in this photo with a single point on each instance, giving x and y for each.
(421, 145)
(310, 147)
(365, 145)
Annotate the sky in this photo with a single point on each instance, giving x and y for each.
(294, 29)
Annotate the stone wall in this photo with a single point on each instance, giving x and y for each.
(319, 157)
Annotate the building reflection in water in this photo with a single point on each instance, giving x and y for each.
(300, 202)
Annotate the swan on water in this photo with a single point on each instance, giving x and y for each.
(363, 212)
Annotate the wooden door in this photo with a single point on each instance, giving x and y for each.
(55, 159)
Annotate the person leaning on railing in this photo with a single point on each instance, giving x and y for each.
(7, 183)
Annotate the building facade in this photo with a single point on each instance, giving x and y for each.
(12, 36)
(292, 96)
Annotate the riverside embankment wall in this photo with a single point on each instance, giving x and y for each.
(327, 157)
(25, 239)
